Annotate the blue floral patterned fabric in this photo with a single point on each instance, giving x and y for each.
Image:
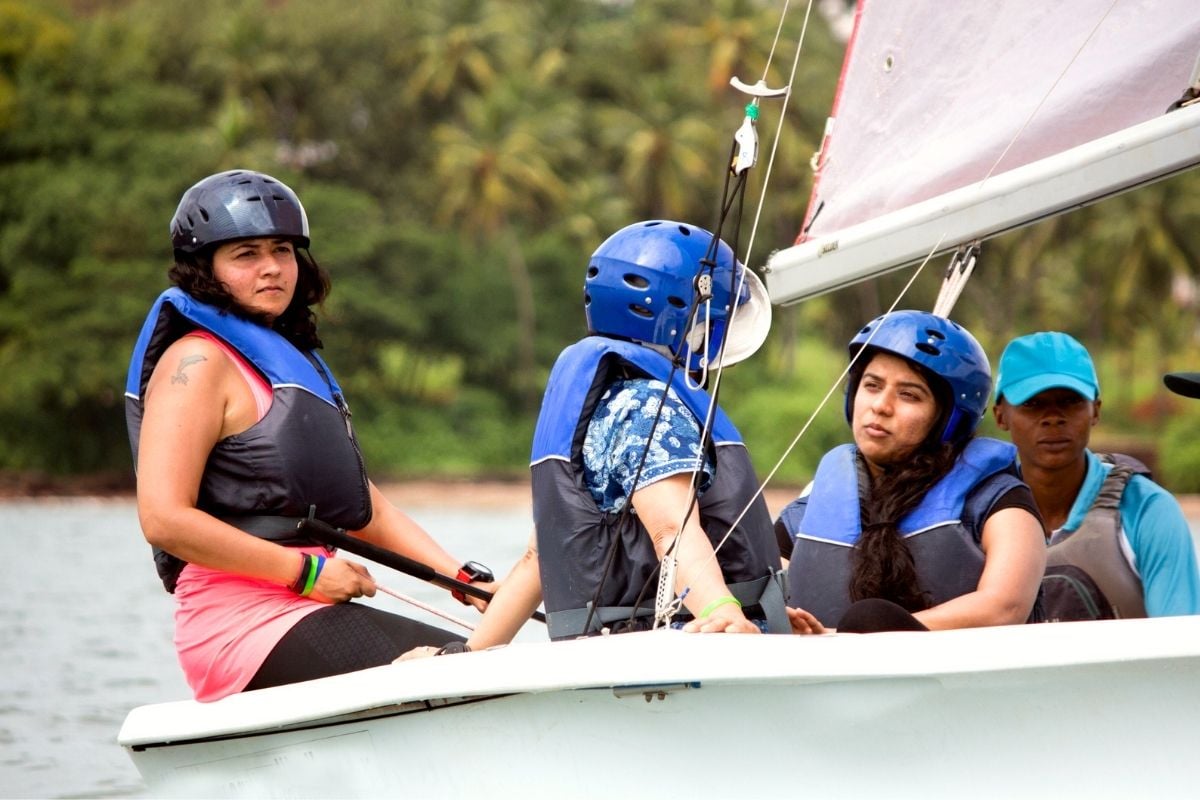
(617, 434)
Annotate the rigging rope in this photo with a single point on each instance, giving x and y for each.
(824, 400)
(1050, 91)
(952, 287)
(665, 609)
(961, 267)
(426, 607)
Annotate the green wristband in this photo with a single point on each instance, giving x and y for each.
(720, 601)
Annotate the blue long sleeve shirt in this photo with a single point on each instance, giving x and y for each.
(1155, 537)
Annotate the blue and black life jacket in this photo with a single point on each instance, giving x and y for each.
(302, 454)
(575, 537)
(943, 532)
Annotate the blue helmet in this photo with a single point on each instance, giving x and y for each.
(943, 347)
(238, 204)
(641, 285)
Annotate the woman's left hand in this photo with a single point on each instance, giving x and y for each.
(417, 652)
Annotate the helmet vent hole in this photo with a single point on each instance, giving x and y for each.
(685, 231)
(203, 215)
(928, 349)
(592, 272)
(678, 302)
(254, 199)
(641, 311)
(587, 299)
(935, 334)
(636, 281)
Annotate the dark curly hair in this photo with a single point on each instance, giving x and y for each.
(883, 564)
(193, 273)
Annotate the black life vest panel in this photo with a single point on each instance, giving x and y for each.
(575, 537)
(943, 532)
(1087, 574)
(301, 454)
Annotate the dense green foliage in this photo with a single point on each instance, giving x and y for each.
(459, 160)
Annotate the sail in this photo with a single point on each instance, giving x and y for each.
(956, 121)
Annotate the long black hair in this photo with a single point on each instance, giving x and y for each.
(883, 565)
(193, 273)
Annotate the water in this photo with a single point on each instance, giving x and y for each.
(85, 634)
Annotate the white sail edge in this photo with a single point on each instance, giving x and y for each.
(1135, 156)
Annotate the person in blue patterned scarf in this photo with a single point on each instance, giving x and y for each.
(632, 460)
(626, 419)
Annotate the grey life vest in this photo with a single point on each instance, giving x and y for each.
(300, 457)
(1087, 574)
(576, 539)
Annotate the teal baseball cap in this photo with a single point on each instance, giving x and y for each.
(1045, 360)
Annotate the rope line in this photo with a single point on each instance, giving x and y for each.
(945, 303)
(706, 431)
(437, 612)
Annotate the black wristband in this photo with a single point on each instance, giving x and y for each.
(453, 647)
(305, 564)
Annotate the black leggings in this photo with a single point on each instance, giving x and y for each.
(343, 638)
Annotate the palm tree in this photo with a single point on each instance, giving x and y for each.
(457, 50)
(666, 152)
(499, 164)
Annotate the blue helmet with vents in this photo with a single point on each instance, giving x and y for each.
(237, 204)
(641, 285)
(942, 347)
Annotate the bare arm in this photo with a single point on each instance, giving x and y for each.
(514, 602)
(660, 506)
(1014, 547)
(194, 399)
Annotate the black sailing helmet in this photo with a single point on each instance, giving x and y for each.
(238, 204)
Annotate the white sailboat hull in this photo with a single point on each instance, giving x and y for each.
(1098, 709)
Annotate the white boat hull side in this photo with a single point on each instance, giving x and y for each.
(1003, 714)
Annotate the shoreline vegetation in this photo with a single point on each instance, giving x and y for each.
(458, 273)
(475, 493)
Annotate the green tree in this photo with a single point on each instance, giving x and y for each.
(498, 163)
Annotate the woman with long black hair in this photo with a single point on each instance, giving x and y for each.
(918, 524)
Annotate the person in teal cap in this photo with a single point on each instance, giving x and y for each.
(1119, 545)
